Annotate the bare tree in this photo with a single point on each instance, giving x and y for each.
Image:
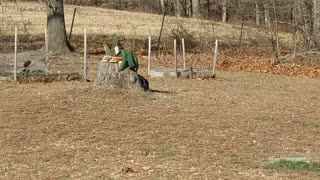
(179, 8)
(266, 14)
(224, 11)
(275, 37)
(209, 8)
(196, 8)
(163, 6)
(306, 16)
(316, 23)
(57, 36)
(257, 13)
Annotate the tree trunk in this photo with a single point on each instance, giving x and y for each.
(316, 23)
(188, 8)
(97, 3)
(293, 14)
(196, 8)
(276, 38)
(57, 36)
(179, 8)
(266, 14)
(209, 8)
(109, 77)
(163, 6)
(257, 14)
(224, 11)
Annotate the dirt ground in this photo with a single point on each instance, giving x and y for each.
(229, 127)
(224, 128)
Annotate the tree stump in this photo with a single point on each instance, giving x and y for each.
(109, 77)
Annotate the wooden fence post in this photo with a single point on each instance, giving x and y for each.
(74, 14)
(215, 58)
(47, 49)
(149, 57)
(184, 54)
(15, 53)
(85, 56)
(175, 57)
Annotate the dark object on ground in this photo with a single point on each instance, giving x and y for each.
(27, 64)
(109, 77)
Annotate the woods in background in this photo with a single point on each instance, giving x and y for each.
(298, 16)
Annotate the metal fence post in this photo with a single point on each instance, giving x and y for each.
(149, 57)
(15, 53)
(47, 48)
(175, 57)
(85, 56)
(215, 58)
(184, 54)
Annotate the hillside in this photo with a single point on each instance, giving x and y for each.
(237, 125)
(31, 19)
(254, 54)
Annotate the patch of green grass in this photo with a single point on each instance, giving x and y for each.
(311, 124)
(307, 124)
(294, 165)
(164, 152)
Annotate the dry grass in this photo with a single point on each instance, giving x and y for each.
(31, 18)
(226, 128)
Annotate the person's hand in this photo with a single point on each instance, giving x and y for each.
(106, 58)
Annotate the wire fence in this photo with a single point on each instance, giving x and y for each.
(28, 57)
(104, 25)
(10, 53)
(31, 22)
(31, 56)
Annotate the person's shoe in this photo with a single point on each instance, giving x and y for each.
(148, 90)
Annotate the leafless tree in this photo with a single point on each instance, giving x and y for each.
(196, 8)
(57, 36)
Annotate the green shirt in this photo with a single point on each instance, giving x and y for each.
(129, 60)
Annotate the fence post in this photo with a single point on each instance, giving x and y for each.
(47, 48)
(175, 57)
(85, 56)
(15, 53)
(149, 57)
(74, 13)
(215, 58)
(184, 54)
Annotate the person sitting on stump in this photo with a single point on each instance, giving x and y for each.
(126, 59)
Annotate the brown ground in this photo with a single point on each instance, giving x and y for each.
(226, 128)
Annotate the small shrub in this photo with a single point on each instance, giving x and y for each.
(177, 30)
